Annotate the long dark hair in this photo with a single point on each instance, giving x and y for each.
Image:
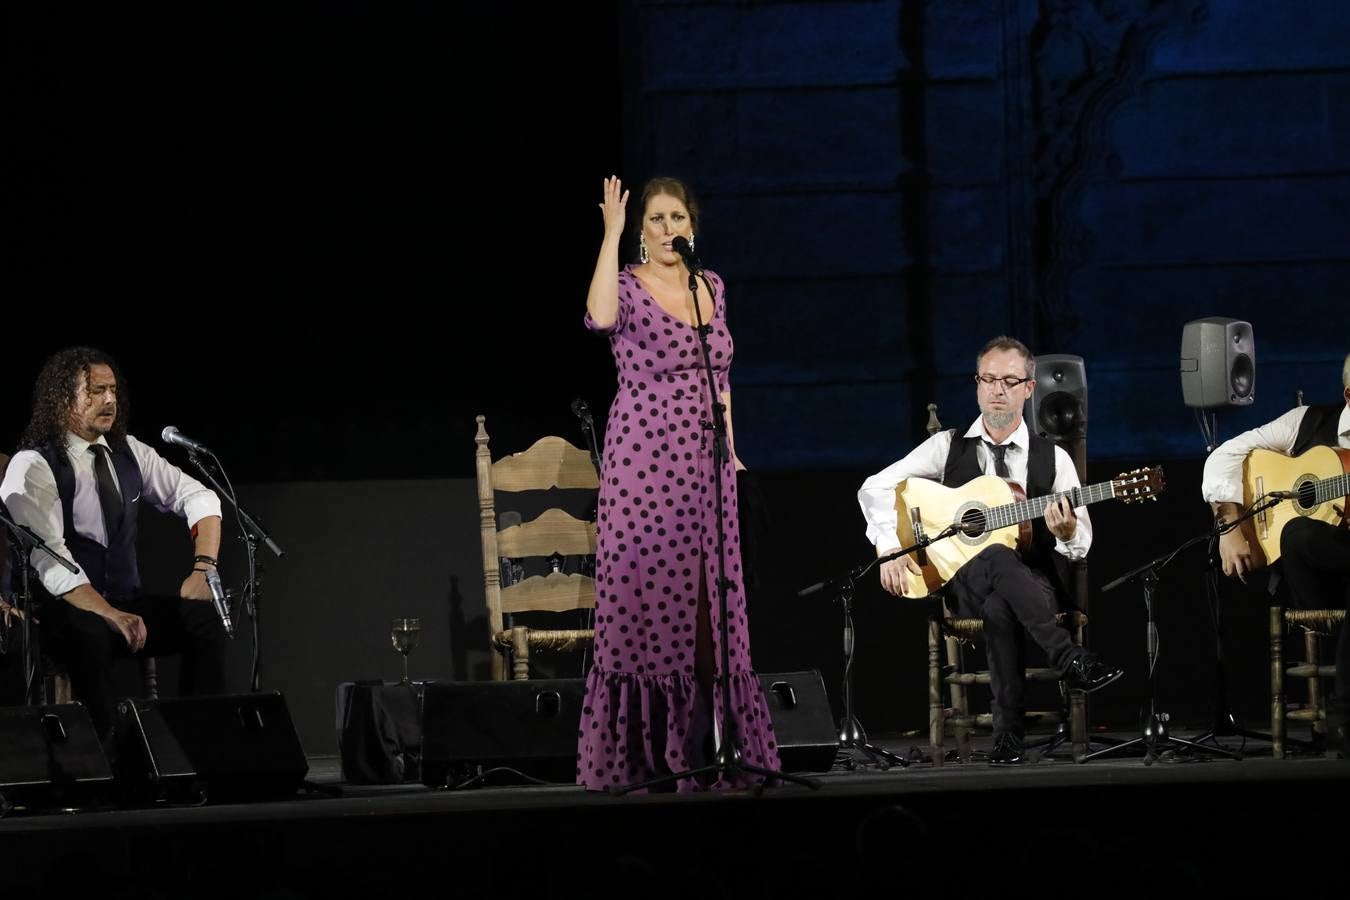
(54, 395)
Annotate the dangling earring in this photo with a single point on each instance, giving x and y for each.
(642, 249)
(691, 240)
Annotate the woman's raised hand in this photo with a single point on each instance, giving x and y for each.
(613, 206)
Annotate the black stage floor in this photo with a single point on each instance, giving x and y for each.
(1050, 828)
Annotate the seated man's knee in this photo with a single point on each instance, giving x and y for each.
(1298, 535)
(200, 620)
(83, 638)
(999, 553)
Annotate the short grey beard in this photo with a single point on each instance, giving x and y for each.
(999, 420)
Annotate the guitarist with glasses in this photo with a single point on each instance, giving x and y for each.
(1015, 595)
(1313, 545)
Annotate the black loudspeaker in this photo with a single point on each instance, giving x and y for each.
(227, 748)
(802, 721)
(531, 726)
(1058, 407)
(51, 757)
(528, 726)
(1218, 363)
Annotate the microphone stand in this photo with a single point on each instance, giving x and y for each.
(728, 758)
(250, 532)
(583, 413)
(25, 541)
(1225, 722)
(852, 737)
(1153, 731)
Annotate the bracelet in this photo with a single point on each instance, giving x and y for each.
(203, 571)
(203, 558)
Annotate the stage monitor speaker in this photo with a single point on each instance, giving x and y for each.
(802, 722)
(1218, 363)
(51, 758)
(1058, 406)
(528, 726)
(531, 726)
(225, 748)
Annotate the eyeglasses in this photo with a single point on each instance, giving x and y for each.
(1009, 381)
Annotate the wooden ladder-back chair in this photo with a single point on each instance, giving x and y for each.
(551, 463)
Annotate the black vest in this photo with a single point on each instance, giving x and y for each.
(1318, 428)
(963, 465)
(112, 570)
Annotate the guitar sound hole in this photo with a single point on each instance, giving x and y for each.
(974, 522)
(1307, 495)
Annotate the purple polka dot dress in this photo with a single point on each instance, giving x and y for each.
(644, 715)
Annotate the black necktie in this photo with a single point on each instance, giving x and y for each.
(108, 497)
(1000, 464)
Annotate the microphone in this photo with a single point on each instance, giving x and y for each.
(1283, 495)
(814, 589)
(581, 410)
(220, 601)
(171, 435)
(681, 246)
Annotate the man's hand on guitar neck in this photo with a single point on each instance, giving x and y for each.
(1234, 550)
(1061, 519)
(895, 574)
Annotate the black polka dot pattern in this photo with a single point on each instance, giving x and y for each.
(657, 554)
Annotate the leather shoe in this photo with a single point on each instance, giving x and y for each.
(1007, 750)
(1087, 673)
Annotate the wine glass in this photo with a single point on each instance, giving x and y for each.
(404, 634)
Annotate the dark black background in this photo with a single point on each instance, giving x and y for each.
(349, 227)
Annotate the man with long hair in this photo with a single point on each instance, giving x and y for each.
(78, 481)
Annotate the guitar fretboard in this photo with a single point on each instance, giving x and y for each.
(1034, 508)
(1332, 488)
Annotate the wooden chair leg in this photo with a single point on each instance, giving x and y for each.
(1078, 735)
(1277, 682)
(150, 677)
(1316, 700)
(960, 700)
(937, 722)
(520, 654)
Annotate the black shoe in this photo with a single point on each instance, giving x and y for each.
(1007, 750)
(1087, 673)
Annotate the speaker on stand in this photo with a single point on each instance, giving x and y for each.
(1057, 410)
(1218, 370)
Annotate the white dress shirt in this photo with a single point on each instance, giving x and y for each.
(29, 490)
(1222, 482)
(929, 460)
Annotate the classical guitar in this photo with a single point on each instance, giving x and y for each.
(1320, 480)
(990, 511)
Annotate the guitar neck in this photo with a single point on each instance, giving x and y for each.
(1034, 508)
(1332, 488)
